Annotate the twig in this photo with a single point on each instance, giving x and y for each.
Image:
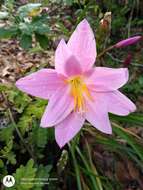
(114, 58)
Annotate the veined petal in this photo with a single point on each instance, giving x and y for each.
(42, 83)
(59, 107)
(106, 79)
(97, 113)
(119, 104)
(66, 63)
(68, 128)
(82, 45)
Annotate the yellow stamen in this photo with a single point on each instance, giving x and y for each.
(78, 90)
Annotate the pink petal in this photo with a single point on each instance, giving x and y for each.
(68, 128)
(62, 54)
(59, 106)
(65, 62)
(106, 79)
(72, 67)
(42, 83)
(97, 114)
(119, 104)
(82, 45)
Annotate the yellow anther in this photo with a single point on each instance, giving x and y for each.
(78, 90)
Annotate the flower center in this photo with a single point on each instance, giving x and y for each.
(78, 90)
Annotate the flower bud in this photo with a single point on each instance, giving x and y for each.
(128, 41)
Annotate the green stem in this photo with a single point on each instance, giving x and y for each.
(76, 167)
(104, 51)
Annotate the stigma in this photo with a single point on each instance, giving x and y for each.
(78, 91)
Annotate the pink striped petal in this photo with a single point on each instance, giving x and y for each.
(106, 79)
(97, 113)
(65, 62)
(42, 83)
(68, 128)
(119, 104)
(59, 107)
(82, 45)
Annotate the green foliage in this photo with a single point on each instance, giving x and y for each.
(7, 32)
(28, 22)
(24, 174)
(43, 172)
(42, 39)
(32, 111)
(19, 99)
(4, 87)
(9, 4)
(7, 153)
(132, 119)
(136, 87)
(15, 97)
(26, 41)
(6, 134)
(25, 10)
(1, 164)
(39, 136)
(130, 139)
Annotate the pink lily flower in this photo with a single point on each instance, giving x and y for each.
(128, 41)
(76, 90)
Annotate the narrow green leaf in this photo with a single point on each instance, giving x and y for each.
(130, 140)
(133, 118)
(77, 171)
(87, 166)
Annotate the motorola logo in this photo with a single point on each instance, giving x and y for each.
(8, 181)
